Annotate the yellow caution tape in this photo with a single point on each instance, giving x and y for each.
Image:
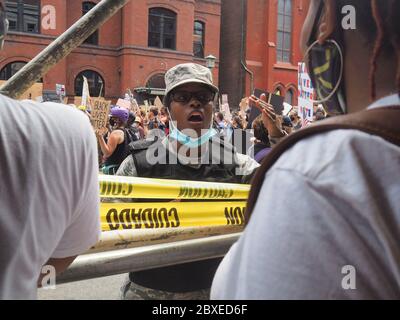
(124, 216)
(145, 188)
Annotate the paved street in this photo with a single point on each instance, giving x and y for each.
(106, 288)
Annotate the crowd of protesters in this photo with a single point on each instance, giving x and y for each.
(128, 126)
(343, 212)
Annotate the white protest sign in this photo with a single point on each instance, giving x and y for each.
(100, 112)
(286, 109)
(306, 95)
(158, 103)
(60, 90)
(135, 104)
(85, 93)
(226, 112)
(244, 103)
(124, 104)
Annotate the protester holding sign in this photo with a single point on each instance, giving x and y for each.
(116, 148)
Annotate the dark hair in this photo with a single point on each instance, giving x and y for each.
(131, 118)
(167, 100)
(260, 132)
(154, 110)
(379, 22)
(220, 116)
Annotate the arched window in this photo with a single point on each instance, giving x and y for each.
(10, 69)
(162, 28)
(23, 15)
(94, 37)
(289, 96)
(95, 81)
(284, 36)
(278, 91)
(156, 81)
(198, 39)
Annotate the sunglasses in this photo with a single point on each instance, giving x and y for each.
(203, 97)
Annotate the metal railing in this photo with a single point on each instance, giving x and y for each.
(109, 263)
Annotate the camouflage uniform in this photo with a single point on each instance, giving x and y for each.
(133, 291)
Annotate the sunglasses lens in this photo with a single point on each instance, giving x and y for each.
(205, 96)
(182, 96)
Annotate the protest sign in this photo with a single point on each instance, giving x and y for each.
(85, 94)
(124, 104)
(158, 103)
(225, 108)
(60, 90)
(306, 95)
(100, 112)
(243, 105)
(135, 104)
(77, 101)
(273, 99)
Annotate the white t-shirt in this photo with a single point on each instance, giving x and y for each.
(326, 224)
(49, 191)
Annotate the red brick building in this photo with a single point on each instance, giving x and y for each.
(260, 47)
(133, 49)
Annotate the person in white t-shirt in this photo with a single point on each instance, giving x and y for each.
(326, 223)
(49, 192)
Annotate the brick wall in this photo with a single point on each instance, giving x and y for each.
(122, 57)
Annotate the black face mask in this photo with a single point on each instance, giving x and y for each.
(112, 122)
(323, 64)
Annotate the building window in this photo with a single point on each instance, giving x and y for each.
(289, 96)
(95, 82)
(10, 69)
(278, 91)
(94, 37)
(198, 39)
(162, 28)
(23, 15)
(156, 81)
(284, 47)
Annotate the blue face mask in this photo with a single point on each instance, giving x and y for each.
(190, 142)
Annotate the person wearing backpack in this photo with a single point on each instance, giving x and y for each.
(116, 149)
(323, 215)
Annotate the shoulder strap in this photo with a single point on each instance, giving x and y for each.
(383, 122)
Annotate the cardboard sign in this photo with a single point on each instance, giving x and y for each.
(135, 104)
(100, 112)
(158, 103)
(226, 111)
(275, 100)
(306, 95)
(124, 104)
(286, 108)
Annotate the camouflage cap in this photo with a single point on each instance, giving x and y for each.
(188, 73)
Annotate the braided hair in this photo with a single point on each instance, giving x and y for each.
(379, 21)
